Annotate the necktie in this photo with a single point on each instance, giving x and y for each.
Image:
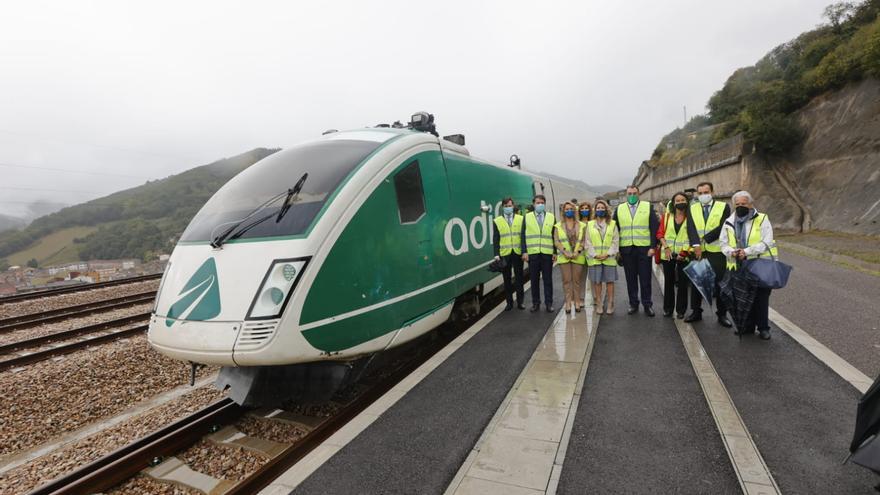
(705, 213)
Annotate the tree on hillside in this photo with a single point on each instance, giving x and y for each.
(33, 263)
(838, 13)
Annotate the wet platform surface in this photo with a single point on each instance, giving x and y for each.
(558, 403)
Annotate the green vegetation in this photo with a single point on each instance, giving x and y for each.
(33, 263)
(760, 101)
(55, 248)
(135, 223)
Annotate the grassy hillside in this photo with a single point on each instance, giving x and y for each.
(135, 223)
(55, 248)
(759, 101)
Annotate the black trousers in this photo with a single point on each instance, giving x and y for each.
(675, 287)
(719, 266)
(637, 268)
(541, 266)
(759, 315)
(513, 263)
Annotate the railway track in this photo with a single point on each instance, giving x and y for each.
(51, 316)
(154, 454)
(33, 357)
(77, 288)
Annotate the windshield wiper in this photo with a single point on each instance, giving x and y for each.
(218, 241)
(290, 194)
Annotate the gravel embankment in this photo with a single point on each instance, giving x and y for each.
(8, 310)
(54, 396)
(43, 469)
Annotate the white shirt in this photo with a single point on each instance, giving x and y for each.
(760, 248)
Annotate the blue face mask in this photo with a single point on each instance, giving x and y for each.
(508, 210)
(539, 208)
(600, 213)
(585, 213)
(569, 213)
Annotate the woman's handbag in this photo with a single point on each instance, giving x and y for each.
(771, 273)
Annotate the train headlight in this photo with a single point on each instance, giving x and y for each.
(276, 288)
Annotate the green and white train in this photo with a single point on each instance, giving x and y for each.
(331, 251)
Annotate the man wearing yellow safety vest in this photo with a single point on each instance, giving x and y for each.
(507, 243)
(540, 251)
(707, 217)
(748, 235)
(638, 225)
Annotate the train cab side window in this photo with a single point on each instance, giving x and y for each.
(410, 195)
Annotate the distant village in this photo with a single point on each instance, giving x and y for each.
(18, 279)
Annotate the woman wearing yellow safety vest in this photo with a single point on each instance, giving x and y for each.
(568, 236)
(602, 245)
(675, 251)
(506, 242)
(747, 235)
(585, 209)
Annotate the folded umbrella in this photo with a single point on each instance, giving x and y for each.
(703, 277)
(738, 290)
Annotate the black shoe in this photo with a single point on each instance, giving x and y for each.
(520, 306)
(632, 310)
(694, 316)
(765, 334)
(724, 321)
(667, 314)
(508, 307)
(577, 310)
(649, 311)
(535, 307)
(680, 316)
(549, 309)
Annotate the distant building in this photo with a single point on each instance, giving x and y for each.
(7, 289)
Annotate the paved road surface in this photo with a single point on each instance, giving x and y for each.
(838, 306)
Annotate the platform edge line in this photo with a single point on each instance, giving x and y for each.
(687, 333)
(821, 352)
(300, 471)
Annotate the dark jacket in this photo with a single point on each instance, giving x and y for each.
(712, 235)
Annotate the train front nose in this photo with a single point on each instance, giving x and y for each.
(215, 303)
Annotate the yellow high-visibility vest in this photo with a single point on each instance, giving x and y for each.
(676, 242)
(539, 239)
(580, 259)
(510, 240)
(716, 216)
(601, 245)
(634, 231)
(754, 239)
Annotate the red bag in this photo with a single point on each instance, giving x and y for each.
(661, 233)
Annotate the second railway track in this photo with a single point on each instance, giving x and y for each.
(75, 311)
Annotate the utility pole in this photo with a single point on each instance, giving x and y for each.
(685, 114)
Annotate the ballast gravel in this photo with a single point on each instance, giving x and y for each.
(47, 303)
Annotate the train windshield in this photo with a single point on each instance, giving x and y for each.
(327, 164)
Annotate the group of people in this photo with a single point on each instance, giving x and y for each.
(583, 243)
(590, 240)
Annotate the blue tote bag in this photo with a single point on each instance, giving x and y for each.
(771, 273)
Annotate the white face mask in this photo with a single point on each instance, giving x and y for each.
(705, 198)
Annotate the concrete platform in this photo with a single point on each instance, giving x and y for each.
(420, 442)
(553, 403)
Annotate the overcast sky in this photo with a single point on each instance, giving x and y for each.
(130, 91)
